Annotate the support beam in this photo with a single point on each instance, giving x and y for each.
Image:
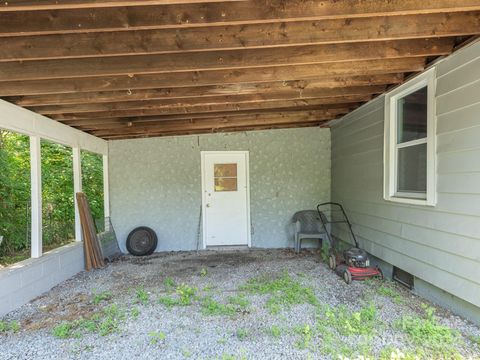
(183, 110)
(232, 59)
(89, 124)
(319, 72)
(219, 123)
(320, 123)
(162, 41)
(77, 187)
(213, 14)
(36, 197)
(297, 89)
(212, 100)
(24, 5)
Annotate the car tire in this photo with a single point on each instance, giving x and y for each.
(142, 241)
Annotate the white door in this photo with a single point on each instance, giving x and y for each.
(225, 198)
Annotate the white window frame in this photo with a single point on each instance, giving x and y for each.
(391, 147)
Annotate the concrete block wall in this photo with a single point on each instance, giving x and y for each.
(28, 279)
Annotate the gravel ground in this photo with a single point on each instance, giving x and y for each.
(151, 330)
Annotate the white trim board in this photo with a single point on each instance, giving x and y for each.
(23, 121)
(390, 192)
(17, 119)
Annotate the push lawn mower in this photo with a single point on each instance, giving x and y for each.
(353, 263)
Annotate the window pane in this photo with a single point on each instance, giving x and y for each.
(225, 184)
(412, 116)
(412, 169)
(225, 176)
(225, 170)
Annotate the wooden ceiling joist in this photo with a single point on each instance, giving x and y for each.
(111, 124)
(292, 89)
(29, 5)
(238, 36)
(89, 123)
(212, 100)
(156, 133)
(129, 18)
(321, 72)
(185, 109)
(228, 59)
(215, 123)
(127, 69)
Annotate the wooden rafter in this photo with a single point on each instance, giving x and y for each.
(160, 133)
(339, 107)
(216, 123)
(227, 59)
(214, 14)
(212, 77)
(292, 89)
(155, 109)
(162, 41)
(28, 5)
(212, 100)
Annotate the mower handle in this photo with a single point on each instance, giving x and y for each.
(344, 215)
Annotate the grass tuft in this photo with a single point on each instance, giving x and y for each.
(142, 296)
(184, 296)
(275, 331)
(284, 291)
(156, 337)
(203, 272)
(347, 322)
(103, 296)
(388, 290)
(169, 284)
(103, 323)
(12, 326)
(427, 332)
(242, 334)
(212, 307)
(306, 334)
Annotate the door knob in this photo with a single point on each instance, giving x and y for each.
(208, 205)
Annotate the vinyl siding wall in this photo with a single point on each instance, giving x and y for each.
(439, 244)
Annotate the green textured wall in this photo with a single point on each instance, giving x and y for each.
(157, 182)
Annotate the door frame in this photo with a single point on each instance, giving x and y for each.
(204, 198)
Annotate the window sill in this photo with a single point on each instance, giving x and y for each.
(422, 202)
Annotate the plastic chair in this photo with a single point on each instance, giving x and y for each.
(307, 226)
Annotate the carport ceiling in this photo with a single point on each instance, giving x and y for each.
(125, 69)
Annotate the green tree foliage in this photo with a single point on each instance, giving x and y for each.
(92, 183)
(14, 193)
(58, 208)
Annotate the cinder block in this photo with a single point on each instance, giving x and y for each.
(34, 277)
(51, 266)
(32, 273)
(6, 305)
(74, 253)
(10, 282)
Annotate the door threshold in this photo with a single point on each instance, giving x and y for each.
(228, 247)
